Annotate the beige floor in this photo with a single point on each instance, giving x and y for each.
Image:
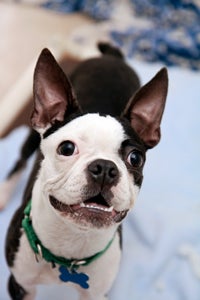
(24, 31)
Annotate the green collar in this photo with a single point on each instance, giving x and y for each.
(42, 252)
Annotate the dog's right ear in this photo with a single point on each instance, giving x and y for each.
(145, 109)
(52, 92)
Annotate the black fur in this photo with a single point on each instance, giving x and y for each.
(104, 85)
(133, 142)
(15, 290)
(108, 49)
(14, 230)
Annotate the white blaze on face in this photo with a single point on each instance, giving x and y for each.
(95, 137)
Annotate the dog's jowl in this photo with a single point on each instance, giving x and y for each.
(94, 129)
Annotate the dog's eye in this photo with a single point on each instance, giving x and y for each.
(135, 159)
(67, 148)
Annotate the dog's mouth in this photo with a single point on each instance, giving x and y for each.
(95, 210)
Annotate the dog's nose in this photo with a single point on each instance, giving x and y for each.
(104, 172)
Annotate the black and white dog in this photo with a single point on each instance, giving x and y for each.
(94, 131)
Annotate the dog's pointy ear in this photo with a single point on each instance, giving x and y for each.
(145, 109)
(52, 92)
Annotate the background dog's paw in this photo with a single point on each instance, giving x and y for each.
(5, 192)
(7, 187)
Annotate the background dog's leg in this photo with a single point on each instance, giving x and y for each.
(6, 187)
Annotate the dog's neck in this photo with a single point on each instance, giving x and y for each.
(72, 241)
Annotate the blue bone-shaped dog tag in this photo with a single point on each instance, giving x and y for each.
(79, 278)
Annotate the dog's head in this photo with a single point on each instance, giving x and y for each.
(92, 167)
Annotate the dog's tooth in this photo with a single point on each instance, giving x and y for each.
(95, 207)
(110, 209)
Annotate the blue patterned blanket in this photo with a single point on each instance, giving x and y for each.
(171, 37)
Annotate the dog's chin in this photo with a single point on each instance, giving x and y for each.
(95, 211)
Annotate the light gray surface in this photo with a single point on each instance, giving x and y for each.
(161, 256)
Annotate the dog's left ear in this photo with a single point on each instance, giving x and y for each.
(145, 109)
(52, 91)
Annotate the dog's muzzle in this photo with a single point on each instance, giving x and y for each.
(95, 206)
(94, 210)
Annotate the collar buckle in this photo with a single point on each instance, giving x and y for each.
(77, 263)
(38, 256)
